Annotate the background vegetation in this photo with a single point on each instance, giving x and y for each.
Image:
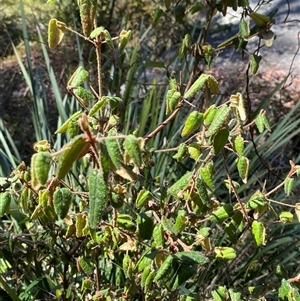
(154, 175)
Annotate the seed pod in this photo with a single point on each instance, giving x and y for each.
(62, 200)
(218, 121)
(113, 148)
(131, 145)
(192, 123)
(97, 197)
(196, 86)
(167, 270)
(5, 199)
(42, 162)
(71, 152)
(116, 200)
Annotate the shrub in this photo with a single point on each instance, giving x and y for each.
(156, 192)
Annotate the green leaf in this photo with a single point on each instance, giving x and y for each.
(180, 184)
(180, 222)
(56, 31)
(202, 191)
(286, 217)
(244, 28)
(192, 257)
(243, 168)
(254, 63)
(288, 185)
(132, 148)
(192, 123)
(218, 121)
(70, 154)
(237, 101)
(5, 200)
(157, 14)
(123, 39)
(85, 95)
(222, 213)
(220, 140)
(158, 236)
(113, 148)
(196, 86)
(206, 173)
(194, 150)
(179, 156)
(64, 127)
(97, 32)
(259, 233)
(97, 197)
(238, 145)
(155, 64)
(225, 253)
(145, 225)
(62, 200)
(78, 77)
